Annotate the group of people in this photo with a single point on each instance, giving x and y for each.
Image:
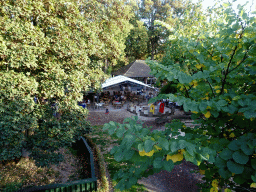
(119, 97)
(170, 103)
(84, 103)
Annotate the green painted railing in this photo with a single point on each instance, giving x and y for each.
(84, 185)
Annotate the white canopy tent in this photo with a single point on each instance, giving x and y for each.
(119, 80)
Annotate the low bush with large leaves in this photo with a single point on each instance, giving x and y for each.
(212, 60)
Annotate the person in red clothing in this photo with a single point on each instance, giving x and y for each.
(161, 107)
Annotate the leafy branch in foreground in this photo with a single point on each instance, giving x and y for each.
(213, 62)
(151, 152)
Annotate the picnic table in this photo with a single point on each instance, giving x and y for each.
(117, 104)
(99, 105)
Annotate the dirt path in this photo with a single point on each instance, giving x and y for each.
(179, 180)
(100, 118)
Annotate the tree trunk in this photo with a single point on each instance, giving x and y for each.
(152, 49)
(106, 66)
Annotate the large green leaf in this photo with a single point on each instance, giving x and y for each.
(254, 177)
(241, 102)
(215, 113)
(143, 132)
(191, 149)
(106, 126)
(140, 147)
(112, 123)
(190, 158)
(183, 144)
(120, 132)
(221, 103)
(119, 156)
(187, 106)
(226, 174)
(235, 167)
(174, 146)
(133, 180)
(163, 143)
(202, 106)
(226, 154)
(224, 141)
(240, 157)
(128, 141)
(220, 163)
(234, 145)
(158, 162)
(148, 144)
(250, 114)
(113, 150)
(194, 106)
(129, 154)
(232, 109)
(168, 165)
(111, 130)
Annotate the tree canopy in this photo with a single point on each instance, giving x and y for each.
(136, 42)
(166, 11)
(111, 20)
(50, 53)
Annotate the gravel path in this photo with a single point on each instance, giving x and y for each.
(100, 118)
(179, 180)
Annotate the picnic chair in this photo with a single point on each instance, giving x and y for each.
(94, 106)
(88, 105)
(106, 104)
(118, 106)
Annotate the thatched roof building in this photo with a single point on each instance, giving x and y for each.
(136, 70)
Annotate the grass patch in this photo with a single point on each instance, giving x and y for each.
(105, 142)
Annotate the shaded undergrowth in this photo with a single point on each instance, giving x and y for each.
(105, 142)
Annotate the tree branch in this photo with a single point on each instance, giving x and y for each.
(240, 37)
(209, 83)
(190, 87)
(227, 71)
(210, 87)
(245, 57)
(134, 134)
(187, 92)
(185, 89)
(208, 52)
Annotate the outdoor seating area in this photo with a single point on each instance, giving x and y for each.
(116, 100)
(118, 91)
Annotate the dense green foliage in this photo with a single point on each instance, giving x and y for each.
(212, 60)
(52, 51)
(169, 88)
(136, 42)
(16, 108)
(168, 11)
(110, 22)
